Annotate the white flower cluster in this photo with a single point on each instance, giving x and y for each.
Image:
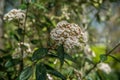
(27, 50)
(104, 67)
(68, 34)
(15, 14)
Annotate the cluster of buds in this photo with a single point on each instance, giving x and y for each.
(68, 34)
(15, 14)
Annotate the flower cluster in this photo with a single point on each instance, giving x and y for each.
(15, 14)
(27, 50)
(105, 68)
(68, 34)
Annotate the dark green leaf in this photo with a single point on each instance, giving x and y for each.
(16, 37)
(54, 72)
(34, 41)
(67, 56)
(3, 51)
(103, 57)
(20, 31)
(60, 53)
(8, 63)
(49, 22)
(7, 57)
(12, 62)
(26, 73)
(40, 72)
(39, 53)
(52, 56)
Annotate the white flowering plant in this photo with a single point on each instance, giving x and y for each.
(41, 45)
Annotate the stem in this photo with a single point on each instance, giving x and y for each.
(107, 54)
(115, 58)
(95, 65)
(23, 39)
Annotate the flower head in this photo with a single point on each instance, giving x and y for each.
(68, 34)
(104, 67)
(14, 14)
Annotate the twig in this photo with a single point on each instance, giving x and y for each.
(113, 49)
(114, 58)
(23, 38)
(95, 65)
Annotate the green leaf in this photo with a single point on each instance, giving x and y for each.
(52, 56)
(12, 62)
(34, 41)
(103, 57)
(26, 73)
(40, 72)
(39, 53)
(60, 53)
(23, 6)
(3, 51)
(54, 72)
(16, 37)
(99, 49)
(8, 63)
(67, 56)
(40, 6)
(20, 31)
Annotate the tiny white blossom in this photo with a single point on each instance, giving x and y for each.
(49, 77)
